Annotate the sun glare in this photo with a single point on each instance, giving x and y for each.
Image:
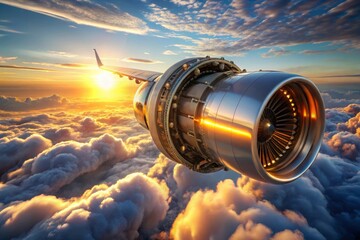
(106, 80)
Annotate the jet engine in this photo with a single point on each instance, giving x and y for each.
(209, 115)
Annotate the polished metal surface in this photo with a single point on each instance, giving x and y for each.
(140, 103)
(208, 114)
(234, 115)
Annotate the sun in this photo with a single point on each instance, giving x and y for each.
(105, 80)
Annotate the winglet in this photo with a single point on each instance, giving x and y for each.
(99, 63)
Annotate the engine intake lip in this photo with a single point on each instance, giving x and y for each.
(308, 110)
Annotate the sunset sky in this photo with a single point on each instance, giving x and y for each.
(47, 43)
(75, 164)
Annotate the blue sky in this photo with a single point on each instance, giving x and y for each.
(318, 39)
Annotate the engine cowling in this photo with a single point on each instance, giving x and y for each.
(208, 114)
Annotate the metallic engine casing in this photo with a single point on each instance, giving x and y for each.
(205, 113)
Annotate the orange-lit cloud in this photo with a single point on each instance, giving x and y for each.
(26, 68)
(63, 65)
(97, 180)
(5, 59)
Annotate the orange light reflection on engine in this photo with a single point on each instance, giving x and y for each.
(304, 113)
(225, 128)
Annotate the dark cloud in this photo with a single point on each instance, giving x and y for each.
(14, 104)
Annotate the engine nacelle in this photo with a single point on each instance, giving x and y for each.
(208, 114)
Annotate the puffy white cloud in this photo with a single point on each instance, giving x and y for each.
(331, 102)
(231, 210)
(135, 203)
(169, 52)
(59, 166)
(351, 125)
(89, 124)
(310, 207)
(287, 234)
(346, 145)
(18, 218)
(14, 152)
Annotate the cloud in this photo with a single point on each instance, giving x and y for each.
(275, 52)
(169, 52)
(338, 101)
(62, 54)
(132, 205)
(60, 134)
(240, 26)
(59, 166)
(352, 125)
(230, 211)
(183, 2)
(188, 3)
(62, 65)
(87, 13)
(26, 68)
(89, 124)
(92, 180)
(14, 104)
(342, 76)
(138, 60)
(14, 152)
(310, 52)
(21, 217)
(346, 145)
(5, 59)
(9, 30)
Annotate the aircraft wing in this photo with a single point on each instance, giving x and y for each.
(137, 74)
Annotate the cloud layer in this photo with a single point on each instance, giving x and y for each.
(14, 104)
(265, 24)
(95, 173)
